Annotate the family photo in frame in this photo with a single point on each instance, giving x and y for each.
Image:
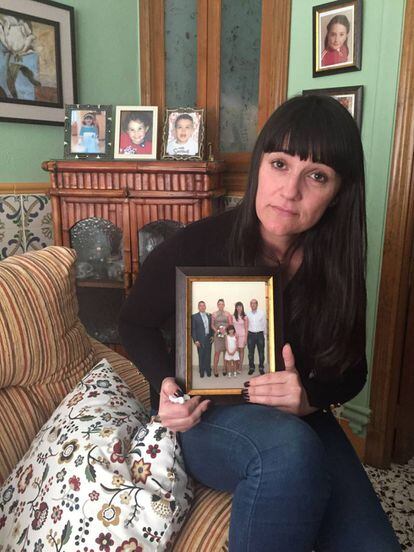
(88, 132)
(336, 37)
(136, 132)
(227, 323)
(183, 134)
(37, 61)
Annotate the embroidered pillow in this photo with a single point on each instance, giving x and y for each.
(98, 476)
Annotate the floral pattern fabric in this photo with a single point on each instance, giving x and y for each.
(99, 476)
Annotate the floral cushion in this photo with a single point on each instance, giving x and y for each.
(99, 476)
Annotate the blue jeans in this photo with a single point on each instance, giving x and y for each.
(297, 482)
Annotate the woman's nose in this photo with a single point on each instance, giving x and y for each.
(291, 188)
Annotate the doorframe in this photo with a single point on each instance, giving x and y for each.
(395, 272)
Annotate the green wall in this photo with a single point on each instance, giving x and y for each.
(107, 71)
(382, 29)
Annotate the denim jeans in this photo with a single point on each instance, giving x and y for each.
(297, 483)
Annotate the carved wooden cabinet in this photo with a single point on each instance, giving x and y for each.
(114, 213)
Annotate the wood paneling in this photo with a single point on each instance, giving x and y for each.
(393, 293)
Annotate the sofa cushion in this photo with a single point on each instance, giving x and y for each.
(44, 349)
(41, 336)
(97, 476)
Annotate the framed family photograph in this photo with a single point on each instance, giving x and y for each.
(136, 132)
(88, 131)
(183, 134)
(337, 37)
(349, 96)
(37, 61)
(228, 327)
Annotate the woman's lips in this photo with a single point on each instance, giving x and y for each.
(283, 211)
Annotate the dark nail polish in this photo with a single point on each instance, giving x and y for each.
(246, 383)
(245, 394)
(179, 393)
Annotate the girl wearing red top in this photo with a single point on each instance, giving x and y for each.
(336, 41)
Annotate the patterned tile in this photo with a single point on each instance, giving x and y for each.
(37, 216)
(11, 226)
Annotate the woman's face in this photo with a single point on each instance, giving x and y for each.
(292, 195)
(337, 36)
(220, 305)
(239, 308)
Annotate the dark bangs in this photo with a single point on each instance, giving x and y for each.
(318, 127)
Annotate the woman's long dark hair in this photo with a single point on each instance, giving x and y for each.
(236, 314)
(326, 301)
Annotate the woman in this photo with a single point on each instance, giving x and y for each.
(297, 483)
(219, 321)
(241, 323)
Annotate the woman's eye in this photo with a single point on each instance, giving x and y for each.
(278, 164)
(319, 177)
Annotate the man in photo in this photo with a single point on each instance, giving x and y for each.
(201, 334)
(184, 141)
(256, 336)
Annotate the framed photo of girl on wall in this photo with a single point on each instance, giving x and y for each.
(228, 327)
(337, 37)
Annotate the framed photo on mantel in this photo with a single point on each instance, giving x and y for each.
(213, 310)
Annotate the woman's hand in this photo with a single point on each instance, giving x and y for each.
(179, 417)
(281, 389)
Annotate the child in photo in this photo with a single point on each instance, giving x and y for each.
(231, 356)
(184, 142)
(336, 41)
(135, 136)
(89, 134)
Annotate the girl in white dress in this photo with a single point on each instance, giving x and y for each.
(231, 356)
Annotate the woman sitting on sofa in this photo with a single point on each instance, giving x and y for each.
(296, 480)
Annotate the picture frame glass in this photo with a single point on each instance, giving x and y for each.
(88, 132)
(336, 45)
(216, 352)
(37, 61)
(183, 134)
(136, 132)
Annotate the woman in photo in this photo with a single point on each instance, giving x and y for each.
(241, 324)
(336, 49)
(296, 480)
(219, 321)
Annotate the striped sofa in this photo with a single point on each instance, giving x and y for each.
(44, 352)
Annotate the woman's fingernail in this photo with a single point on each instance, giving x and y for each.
(245, 394)
(179, 393)
(246, 383)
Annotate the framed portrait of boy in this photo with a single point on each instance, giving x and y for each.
(228, 327)
(183, 134)
(337, 37)
(349, 96)
(88, 131)
(135, 132)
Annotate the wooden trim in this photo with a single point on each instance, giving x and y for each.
(152, 57)
(359, 443)
(393, 293)
(274, 57)
(208, 67)
(18, 188)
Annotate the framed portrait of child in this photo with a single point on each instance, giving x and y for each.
(337, 37)
(135, 132)
(88, 131)
(183, 134)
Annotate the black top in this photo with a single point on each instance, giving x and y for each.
(149, 313)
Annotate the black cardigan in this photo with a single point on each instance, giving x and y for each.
(150, 310)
